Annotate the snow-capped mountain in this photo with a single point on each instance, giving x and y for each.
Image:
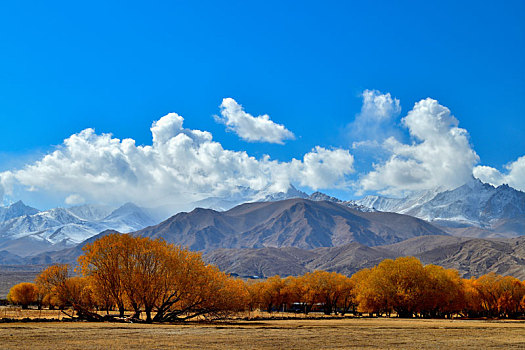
(59, 227)
(398, 205)
(128, 218)
(245, 195)
(319, 196)
(474, 209)
(15, 210)
(499, 209)
(291, 192)
(90, 212)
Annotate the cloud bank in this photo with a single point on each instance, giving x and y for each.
(250, 128)
(181, 165)
(440, 154)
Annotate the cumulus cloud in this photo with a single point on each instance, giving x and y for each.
(440, 154)
(181, 165)
(322, 168)
(250, 128)
(514, 175)
(375, 122)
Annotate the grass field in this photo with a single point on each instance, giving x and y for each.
(272, 334)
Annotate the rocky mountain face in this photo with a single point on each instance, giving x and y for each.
(493, 211)
(295, 222)
(55, 229)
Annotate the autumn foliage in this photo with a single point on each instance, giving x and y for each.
(151, 275)
(166, 283)
(406, 287)
(23, 294)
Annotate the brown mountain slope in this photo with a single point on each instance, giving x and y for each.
(261, 262)
(471, 257)
(290, 223)
(476, 257)
(348, 259)
(418, 245)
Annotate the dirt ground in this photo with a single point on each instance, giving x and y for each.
(272, 334)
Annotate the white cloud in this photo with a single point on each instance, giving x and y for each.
(375, 121)
(250, 128)
(323, 168)
(379, 106)
(514, 176)
(440, 154)
(180, 166)
(74, 199)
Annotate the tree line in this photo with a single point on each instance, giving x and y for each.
(169, 283)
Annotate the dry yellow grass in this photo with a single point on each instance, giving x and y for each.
(273, 334)
(17, 312)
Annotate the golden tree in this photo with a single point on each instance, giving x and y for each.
(444, 292)
(511, 292)
(273, 293)
(103, 262)
(57, 285)
(327, 289)
(153, 275)
(49, 281)
(23, 294)
(393, 285)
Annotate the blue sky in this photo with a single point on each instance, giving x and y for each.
(117, 67)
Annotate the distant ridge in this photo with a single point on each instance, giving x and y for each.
(294, 222)
(471, 257)
(475, 209)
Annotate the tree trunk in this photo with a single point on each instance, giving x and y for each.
(147, 310)
(121, 310)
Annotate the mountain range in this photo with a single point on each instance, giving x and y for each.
(296, 222)
(474, 228)
(27, 231)
(475, 209)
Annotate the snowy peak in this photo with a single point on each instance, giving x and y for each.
(60, 227)
(380, 203)
(319, 196)
(245, 195)
(125, 209)
(127, 217)
(473, 204)
(90, 212)
(15, 210)
(58, 215)
(290, 193)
